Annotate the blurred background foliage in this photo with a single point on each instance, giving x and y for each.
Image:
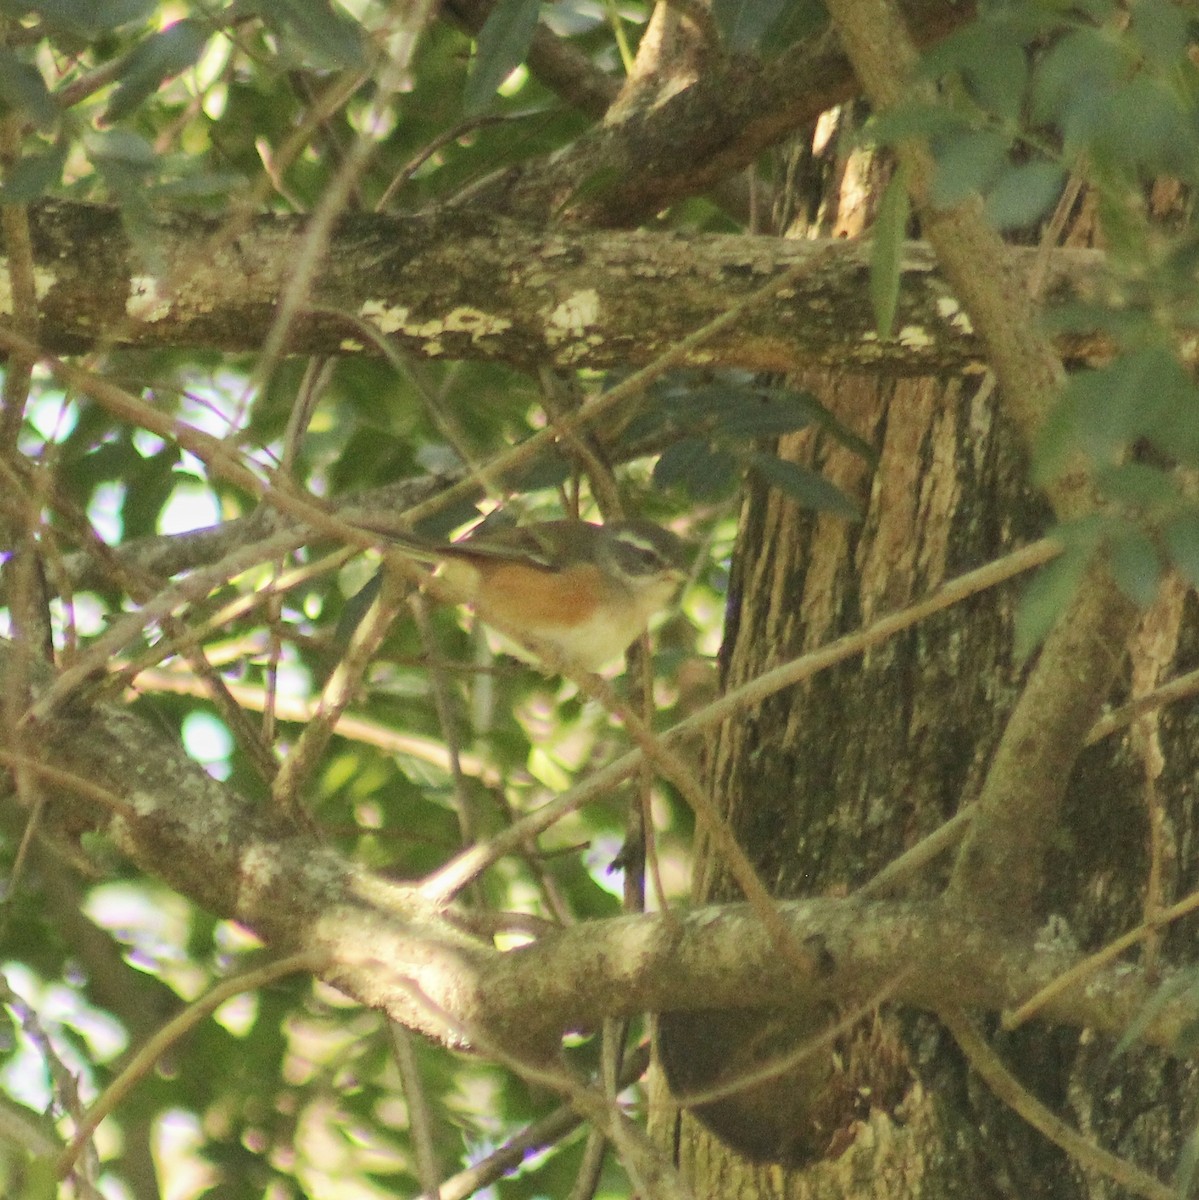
(154, 105)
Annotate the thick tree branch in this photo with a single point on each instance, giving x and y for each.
(392, 950)
(689, 142)
(451, 286)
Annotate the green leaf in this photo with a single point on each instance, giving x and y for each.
(1136, 565)
(807, 488)
(1188, 1160)
(85, 17)
(328, 36)
(1145, 125)
(931, 121)
(989, 56)
(501, 47)
(23, 90)
(1104, 411)
(1187, 1041)
(739, 412)
(967, 163)
(998, 77)
(1086, 62)
(120, 146)
(591, 186)
(680, 460)
(1161, 31)
(40, 1180)
(1023, 194)
(153, 61)
(696, 467)
(200, 184)
(1050, 590)
(744, 23)
(886, 252)
(755, 416)
(33, 175)
(1138, 485)
(801, 19)
(1177, 987)
(1181, 536)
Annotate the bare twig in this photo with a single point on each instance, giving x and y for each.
(143, 1061)
(1014, 1018)
(1012, 1092)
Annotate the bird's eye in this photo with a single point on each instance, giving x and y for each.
(637, 557)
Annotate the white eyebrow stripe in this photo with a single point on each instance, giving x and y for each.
(638, 543)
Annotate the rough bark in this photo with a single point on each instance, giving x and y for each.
(465, 287)
(827, 783)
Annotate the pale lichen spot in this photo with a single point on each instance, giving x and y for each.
(394, 318)
(43, 281)
(573, 316)
(386, 318)
(259, 870)
(350, 345)
(147, 299)
(950, 310)
(915, 337)
(474, 321)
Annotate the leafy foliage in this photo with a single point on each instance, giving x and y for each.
(157, 106)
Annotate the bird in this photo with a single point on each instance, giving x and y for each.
(583, 591)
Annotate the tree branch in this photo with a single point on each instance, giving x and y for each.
(456, 286)
(395, 951)
(653, 157)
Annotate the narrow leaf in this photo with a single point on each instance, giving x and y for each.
(503, 43)
(807, 488)
(327, 35)
(886, 252)
(84, 17)
(1045, 598)
(1181, 536)
(154, 61)
(744, 23)
(703, 472)
(1188, 1160)
(1173, 989)
(23, 90)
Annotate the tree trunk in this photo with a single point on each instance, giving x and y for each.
(827, 783)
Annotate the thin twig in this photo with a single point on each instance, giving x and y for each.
(142, 1063)
(537, 1136)
(420, 1114)
(1013, 1019)
(339, 691)
(990, 1068)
